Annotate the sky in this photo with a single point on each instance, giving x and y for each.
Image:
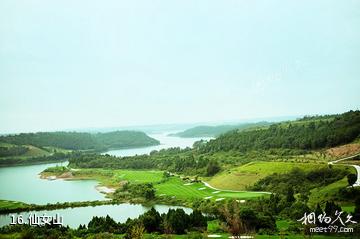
(78, 64)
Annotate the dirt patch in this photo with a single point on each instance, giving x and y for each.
(66, 175)
(105, 190)
(343, 151)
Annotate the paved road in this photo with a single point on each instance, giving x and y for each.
(357, 183)
(357, 167)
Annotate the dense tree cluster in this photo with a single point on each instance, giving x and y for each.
(144, 190)
(82, 141)
(241, 220)
(174, 160)
(56, 157)
(175, 221)
(212, 168)
(13, 151)
(66, 140)
(124, 139)
(212, 131)
(314, 133)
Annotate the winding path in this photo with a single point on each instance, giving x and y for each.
(357, 167)
(233, 191)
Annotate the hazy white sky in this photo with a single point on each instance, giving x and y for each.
(76, 64)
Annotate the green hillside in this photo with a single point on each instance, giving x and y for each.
(240, 178)
(81, 141)
(213, 131)
(308, 133)
(124, 139)
(12, 150)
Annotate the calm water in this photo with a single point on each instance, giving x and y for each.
(165, 142)
(22, 183)
(82, 215)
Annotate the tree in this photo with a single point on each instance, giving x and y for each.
(212, 168)
(236, 226)
(176, 221)
(151, 220)
(149, 193)
(290, 195)
(351, 179)
(197, 219)
(331, 208)
(135, 232)
(356, 213)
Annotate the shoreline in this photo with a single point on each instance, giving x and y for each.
(104, 189)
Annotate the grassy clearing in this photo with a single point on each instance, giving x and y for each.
(35, 152)
(139, 176)
(113, 178)
(241, 177)
(175, 187)
(11, 204)
(348, 208)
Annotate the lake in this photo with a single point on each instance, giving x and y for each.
(22, 183)
(165, 142)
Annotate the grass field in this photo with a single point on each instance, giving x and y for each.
(175, 187)
(139, 176)
(240, 177)
(10, 204)
(35, 152)
(113, 178)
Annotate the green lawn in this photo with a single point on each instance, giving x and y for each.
(112, 178)
(240, 177)
(10, 204)
(175, 187)
(139, 176)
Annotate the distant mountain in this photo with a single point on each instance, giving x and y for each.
(213, 131)
(82, 141)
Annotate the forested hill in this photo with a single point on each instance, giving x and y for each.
(82, 141)
(213, 131)
(125, 139)
(307, 133)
